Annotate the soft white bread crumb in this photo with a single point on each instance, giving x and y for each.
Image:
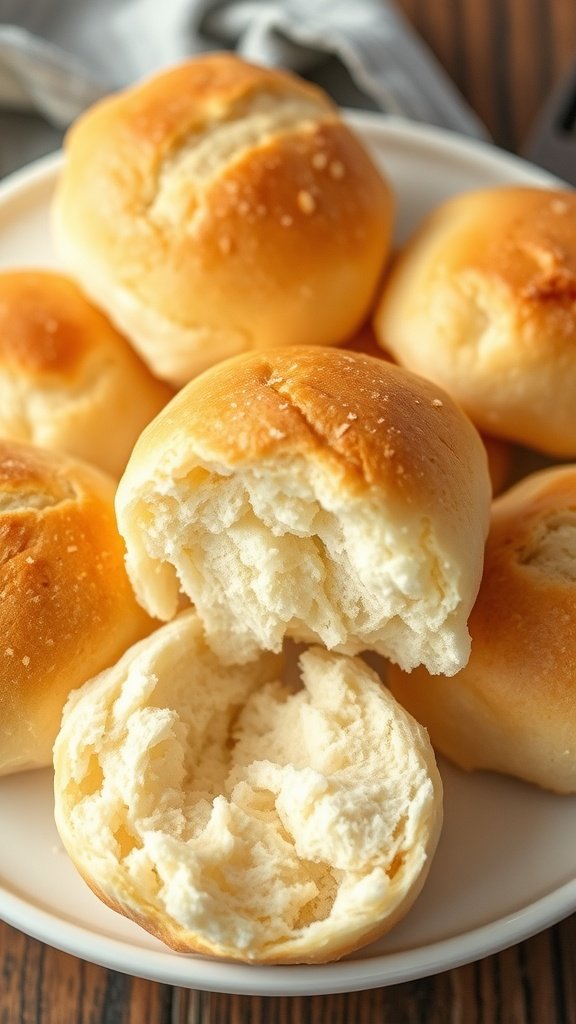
(314, 493)
(513, 708)
(231, 814)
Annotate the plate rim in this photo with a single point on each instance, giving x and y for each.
(339, 976)
(383, 969)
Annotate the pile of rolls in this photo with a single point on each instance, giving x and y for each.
(244, 444)
(482, 300)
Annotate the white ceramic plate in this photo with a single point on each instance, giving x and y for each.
(505, 866)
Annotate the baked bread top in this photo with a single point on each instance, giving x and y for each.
(482, 300)
(219, 207)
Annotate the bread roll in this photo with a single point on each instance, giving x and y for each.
(66, 606)
(219, 207)
(513, 708)
(232, 815)
(315, 493)
(483, 301)
(68, 379)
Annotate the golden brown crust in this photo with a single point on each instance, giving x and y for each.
(64, 369)
(235, 209)
(499, 453)
(522, 237)
(376, 424)
(483, 300)
(67, 609)
(43, 331)
(157, 111)
(513, 708)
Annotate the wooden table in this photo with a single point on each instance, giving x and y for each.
(504, 55)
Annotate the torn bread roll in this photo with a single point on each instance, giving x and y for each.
(68, 380)
(314, 493)
(482, 300)
(219, 207)
(67, 609)
(232, 815)
(513, 708)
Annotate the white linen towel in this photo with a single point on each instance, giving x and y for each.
(58, 56)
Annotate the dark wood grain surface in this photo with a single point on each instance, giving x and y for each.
(504, 55)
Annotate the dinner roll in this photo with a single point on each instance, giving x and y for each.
(66, 607)
(68, 380)
(219, 207)
(230, 814)
(513, 708)
(483, 301)
(314, 493)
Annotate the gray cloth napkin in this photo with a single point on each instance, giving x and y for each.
(58, 56)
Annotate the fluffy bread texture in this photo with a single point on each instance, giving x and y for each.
(219, 207)
(513, 708)
(66, 606)
(482, 300)
(232, 815)
(314, 493)
(68, 380)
